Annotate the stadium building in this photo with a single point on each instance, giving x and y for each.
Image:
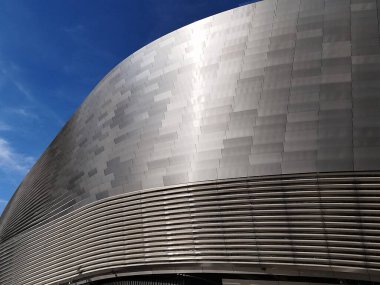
(241, 149)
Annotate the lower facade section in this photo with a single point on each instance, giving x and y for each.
(305, 226)
(220, 279)
(178, 279)
(302, 281)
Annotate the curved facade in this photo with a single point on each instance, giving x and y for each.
(243, 145)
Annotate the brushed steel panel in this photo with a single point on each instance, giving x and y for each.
(158, 164)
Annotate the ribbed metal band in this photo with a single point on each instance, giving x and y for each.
(292, 224)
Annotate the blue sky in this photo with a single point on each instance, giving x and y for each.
(53, 52)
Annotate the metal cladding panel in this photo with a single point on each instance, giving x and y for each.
(275, 88)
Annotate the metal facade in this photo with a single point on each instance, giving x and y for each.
(247, 142)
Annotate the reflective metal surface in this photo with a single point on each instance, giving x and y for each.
(279, 87)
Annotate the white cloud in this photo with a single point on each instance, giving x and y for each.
(10, 160)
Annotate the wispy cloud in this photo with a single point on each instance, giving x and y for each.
(11, 160)
(8, 70)
(22, 111)
(74, 30)
(79, 35)
(8, 74)
(22, 89)
(4, 126)
(3, 203)
(36, 103)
